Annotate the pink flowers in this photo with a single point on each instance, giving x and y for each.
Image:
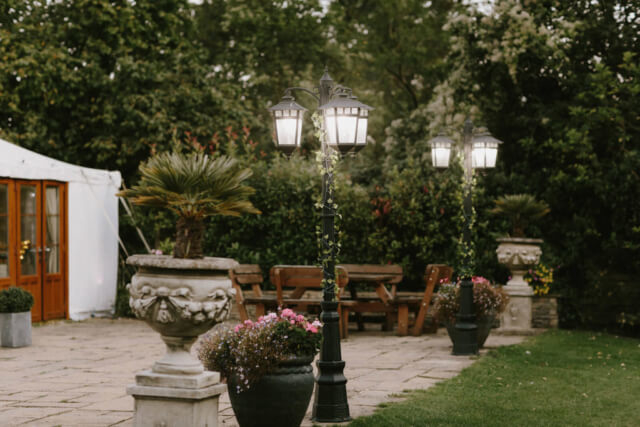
(253, 349)
(287, 315)
(313, 327)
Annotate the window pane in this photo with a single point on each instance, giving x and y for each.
(4, 199)
(52, 255)
(28, 230)
(52, 238)
(4, 264)
(4, 246)
(53, 230)
(28, 245)
(4, 233)
(28, 199)
(52, 202)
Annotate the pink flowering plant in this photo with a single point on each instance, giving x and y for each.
(488, 299)
(253, 349)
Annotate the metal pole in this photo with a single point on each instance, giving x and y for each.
(466, 319)
(330, 402)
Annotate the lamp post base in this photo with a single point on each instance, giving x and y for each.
(330, 403)
(466, 343)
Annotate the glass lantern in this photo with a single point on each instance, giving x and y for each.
(484, 150)
(287, 118)
(441, 150)
(345, 121)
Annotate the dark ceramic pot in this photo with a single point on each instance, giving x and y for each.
(484, 327)
(280, 398)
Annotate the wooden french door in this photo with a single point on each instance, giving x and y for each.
(33, 243)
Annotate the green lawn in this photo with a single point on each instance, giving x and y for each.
(560, 378)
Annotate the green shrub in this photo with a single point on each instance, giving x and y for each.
(15, 300)
(417, 219)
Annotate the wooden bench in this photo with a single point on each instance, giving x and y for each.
(293, 281)
(419, 302)
(379, 276)
(251, 275)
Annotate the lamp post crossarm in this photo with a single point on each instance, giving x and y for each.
(302, 89)
(338, 89)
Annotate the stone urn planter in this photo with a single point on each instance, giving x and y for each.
(519, 254)
(180, 299)
(278, 399)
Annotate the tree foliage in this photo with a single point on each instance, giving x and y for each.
(558, 82)
(100, 83)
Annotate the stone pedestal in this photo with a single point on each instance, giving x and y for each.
(519, 255)
(176, 400)
(517, 316)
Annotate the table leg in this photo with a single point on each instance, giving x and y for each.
(354, 296)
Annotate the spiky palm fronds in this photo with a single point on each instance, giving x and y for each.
(193, 185)
(520, 209)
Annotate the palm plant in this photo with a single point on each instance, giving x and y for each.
(520, 209)
(194, 186)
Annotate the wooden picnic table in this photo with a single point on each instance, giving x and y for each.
(379, 276)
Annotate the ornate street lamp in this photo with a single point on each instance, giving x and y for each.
(344, 129)
(480, 151)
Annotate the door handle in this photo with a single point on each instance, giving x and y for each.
(25, 245)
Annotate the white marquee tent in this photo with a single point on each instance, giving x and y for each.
(92, 230)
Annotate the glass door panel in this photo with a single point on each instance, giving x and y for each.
(52, 227)
(28, 230)
(4, 231)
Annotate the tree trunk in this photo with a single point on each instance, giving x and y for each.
(189, 236)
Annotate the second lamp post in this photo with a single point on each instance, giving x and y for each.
(480, 150)
(344, 128)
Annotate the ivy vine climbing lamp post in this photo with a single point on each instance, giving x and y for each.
(480, 151)
(342, 129)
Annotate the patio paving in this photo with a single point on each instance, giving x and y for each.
(76, 373)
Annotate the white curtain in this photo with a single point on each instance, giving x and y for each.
(52, 248)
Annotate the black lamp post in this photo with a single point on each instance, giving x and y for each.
(480, 150)
(345, 129)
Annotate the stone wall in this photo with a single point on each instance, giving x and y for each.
(544, 312)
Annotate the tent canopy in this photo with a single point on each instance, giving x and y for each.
(92, 225)
(18, 162)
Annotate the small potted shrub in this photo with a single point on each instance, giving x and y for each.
(488, 300)
(267, 366)
(517, 252)
(15, 317)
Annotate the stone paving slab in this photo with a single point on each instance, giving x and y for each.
(76, 373)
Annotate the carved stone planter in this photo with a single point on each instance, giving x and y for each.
(519, 255)
(180, 299)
